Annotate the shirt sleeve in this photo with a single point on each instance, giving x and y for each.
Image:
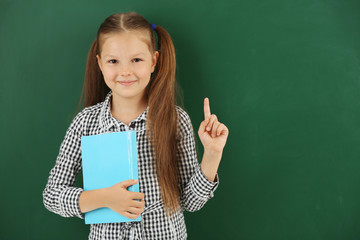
(60, 196)
(196, 189)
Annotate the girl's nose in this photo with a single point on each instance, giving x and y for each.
(125, 70)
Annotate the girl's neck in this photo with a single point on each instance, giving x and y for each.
(127, 109)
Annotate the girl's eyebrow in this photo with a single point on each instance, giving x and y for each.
(137, 54)
(134, 55)
(110, 56)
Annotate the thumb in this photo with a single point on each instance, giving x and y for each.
(203, 125)
(128, 183)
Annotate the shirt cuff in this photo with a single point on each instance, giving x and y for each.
(69, 202)
(202, 186)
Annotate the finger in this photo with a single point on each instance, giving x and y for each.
(203, 126)
(136, 211)
(207, 112)
(128, 183)
(222, 129)
(137, 195)
(138, 204)
(214, 128)
(130, 215)
(209, 126)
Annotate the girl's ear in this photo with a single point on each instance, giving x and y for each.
(155, 59)
(99, 61)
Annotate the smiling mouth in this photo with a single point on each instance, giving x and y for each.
(127, 83)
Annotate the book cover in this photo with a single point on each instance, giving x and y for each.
(107, 159)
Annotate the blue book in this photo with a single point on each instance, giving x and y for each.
(107, 159)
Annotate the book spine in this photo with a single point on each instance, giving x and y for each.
(130, 158)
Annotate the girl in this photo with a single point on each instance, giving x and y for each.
(129, 85)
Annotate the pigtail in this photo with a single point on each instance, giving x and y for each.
(94, 88)
(166, 66)
(163, 121)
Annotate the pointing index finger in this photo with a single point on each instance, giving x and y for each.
(207, 112)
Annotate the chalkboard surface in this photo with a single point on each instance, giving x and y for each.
(284, 76)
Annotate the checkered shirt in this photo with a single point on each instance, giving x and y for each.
(61, 197)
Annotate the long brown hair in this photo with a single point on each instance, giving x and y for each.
(162, 117)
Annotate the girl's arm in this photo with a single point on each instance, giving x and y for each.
(60, 196)
(196, 188)
(213, 136)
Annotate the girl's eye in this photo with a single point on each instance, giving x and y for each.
(136, 60)
(112, 61)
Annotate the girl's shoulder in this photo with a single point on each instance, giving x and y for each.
(85, 116)
(182, 114)
(184, 122)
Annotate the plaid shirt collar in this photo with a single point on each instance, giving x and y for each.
(107, 120)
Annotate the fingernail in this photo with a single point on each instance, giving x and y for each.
(208, 129)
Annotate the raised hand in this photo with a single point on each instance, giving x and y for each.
(212, 133)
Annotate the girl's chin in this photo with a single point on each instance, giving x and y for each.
(128, 94)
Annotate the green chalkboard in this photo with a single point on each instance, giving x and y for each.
(284, 76)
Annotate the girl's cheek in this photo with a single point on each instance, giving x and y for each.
(110, 75)
(146, 71)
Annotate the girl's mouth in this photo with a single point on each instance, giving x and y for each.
(126, 83)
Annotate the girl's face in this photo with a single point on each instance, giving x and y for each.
(127, 63)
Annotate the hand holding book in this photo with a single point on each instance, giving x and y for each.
(124, 202)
